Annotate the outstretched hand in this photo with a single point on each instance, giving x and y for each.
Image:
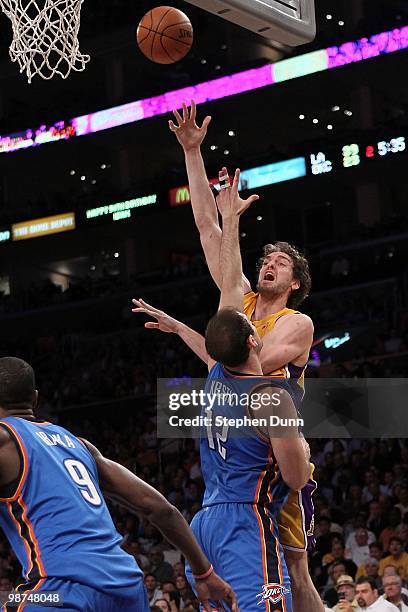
(188, 133)
(229, 202)
(163, 322)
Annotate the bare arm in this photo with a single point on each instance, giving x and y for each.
(231, 207)
(288, 342)
(167, 324)
(191, 136)
(289, 446)
(121, 485)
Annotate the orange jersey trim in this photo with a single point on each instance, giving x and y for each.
(20, 533)
(32, 537)
(35, 588)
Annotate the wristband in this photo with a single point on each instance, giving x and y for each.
(204, 576)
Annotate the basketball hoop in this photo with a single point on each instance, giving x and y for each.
(45, 36)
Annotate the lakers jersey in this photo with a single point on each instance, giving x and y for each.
(237, 468)
(56, 519)
(293, 373)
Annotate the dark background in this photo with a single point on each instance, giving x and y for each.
(65, 299)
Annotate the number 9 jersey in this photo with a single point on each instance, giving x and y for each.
(55, 516)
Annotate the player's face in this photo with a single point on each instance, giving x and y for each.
(365, 595)
(276, 275)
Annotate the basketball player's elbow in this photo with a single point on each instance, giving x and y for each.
(162, 513)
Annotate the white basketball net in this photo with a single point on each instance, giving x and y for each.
(45, 36)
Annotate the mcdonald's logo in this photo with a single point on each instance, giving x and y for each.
(179, 196)
(183, 195)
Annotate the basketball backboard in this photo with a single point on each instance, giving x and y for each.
(290, 22)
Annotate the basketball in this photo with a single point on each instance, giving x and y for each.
(165, 35)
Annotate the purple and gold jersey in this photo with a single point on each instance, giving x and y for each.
(56, 519)
(291, 372)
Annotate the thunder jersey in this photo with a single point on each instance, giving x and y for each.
(291, 372)
(57, 521)
(237, 468)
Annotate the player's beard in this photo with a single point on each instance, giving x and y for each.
(273, 292)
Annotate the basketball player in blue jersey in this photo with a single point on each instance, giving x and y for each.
(247, 477)
(284, 282)
(53, 512)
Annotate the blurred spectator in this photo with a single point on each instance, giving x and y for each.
(402, 505)
(397, 558)
(371, 568)
(153, 591)
(368, 597)
(391, 529)
(161, 570)
(346, 591)
(163, 604)
(393, 592)
(357, 548)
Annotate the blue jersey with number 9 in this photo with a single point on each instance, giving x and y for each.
(237, 464)
(56, 519)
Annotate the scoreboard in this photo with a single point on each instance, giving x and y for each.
(353, 154)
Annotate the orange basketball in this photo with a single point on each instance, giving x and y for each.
(165, 35)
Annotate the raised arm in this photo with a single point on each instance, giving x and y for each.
(231, 207)
(169, 325)
(122, 486)
(191, 136)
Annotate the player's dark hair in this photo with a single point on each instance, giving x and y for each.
(301, 271)
(395, 539)
(17, 383)
(368, 580)
(226, 337)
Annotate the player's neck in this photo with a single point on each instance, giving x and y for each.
(266, 306)
(22, 413)
(251, 367)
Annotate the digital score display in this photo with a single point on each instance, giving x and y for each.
(354, 154)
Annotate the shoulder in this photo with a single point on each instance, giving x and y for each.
(96, 454)
(296, 320)
(5, 435)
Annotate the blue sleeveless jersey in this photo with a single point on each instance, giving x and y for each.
(57, 522)
(238, 466)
